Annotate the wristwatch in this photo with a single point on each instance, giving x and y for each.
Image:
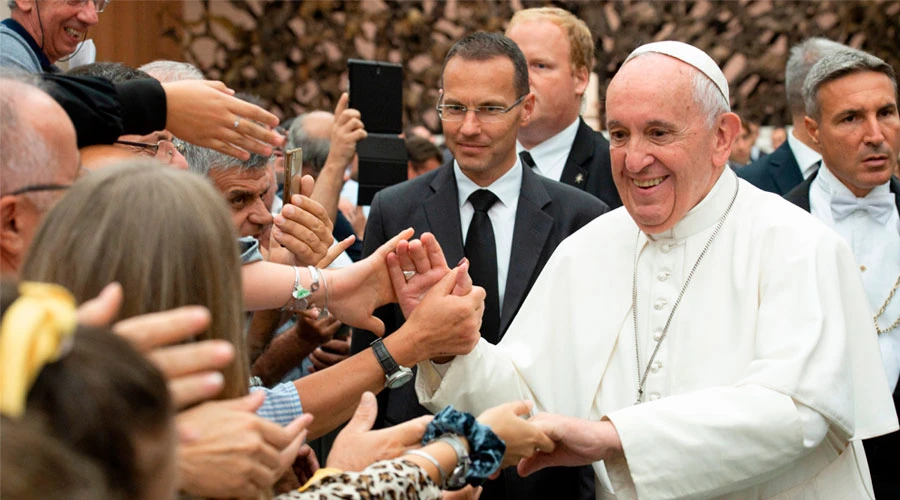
(394, 375)
(458, 477)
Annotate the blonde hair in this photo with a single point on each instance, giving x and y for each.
(165, 235)
(581, 43)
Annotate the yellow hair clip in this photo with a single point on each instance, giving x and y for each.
(37, 329)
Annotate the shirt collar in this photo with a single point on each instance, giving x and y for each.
(706, 213)
(807, 158)
(834, 187)
(506, 188)
(554, 151)
(46, 65)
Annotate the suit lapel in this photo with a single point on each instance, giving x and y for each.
(532, 228)
(800, 195)
(575, 173)
(785, 171)
(442, 214)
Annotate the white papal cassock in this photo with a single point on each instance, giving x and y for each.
(769, 367)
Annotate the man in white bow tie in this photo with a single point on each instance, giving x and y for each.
(851, 107)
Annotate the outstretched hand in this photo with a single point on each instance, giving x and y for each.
(191, 370)
(204, 112)
(358, 446)
(425, 258)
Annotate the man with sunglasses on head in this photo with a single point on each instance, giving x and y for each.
(484, 206)
(41, 32)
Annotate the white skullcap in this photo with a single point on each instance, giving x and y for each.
(690, 55)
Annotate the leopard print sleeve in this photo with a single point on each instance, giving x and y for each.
(389, 479)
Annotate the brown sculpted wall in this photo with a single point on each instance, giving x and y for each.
(293, 53)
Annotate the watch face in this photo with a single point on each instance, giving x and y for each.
(398, 378)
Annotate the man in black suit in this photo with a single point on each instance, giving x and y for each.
(484, 100)
(797, 158)
(560, 54)
(851, 106)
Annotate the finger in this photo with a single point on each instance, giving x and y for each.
(434, 250)
(192, 389)
(365, 414)
(410, 433)
(520, 408)
(391, 244)
(445, 286)
(307, 183)
(395, 271)
(337, 346)
(404, 255)
(342, 104)
(251, 112)
(158, 329)
(544, 443)
(328, 358)
(220, 86)
(316, 209)
(534, 463)
(191, 358)
(228, 149)
(336, 250)
(249, 403)
(419, 257)
(101, 310)
(463, 279)
(253, 136)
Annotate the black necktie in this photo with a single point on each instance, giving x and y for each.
(527, 160)
(481, 250)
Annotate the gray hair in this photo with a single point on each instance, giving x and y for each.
(315, 149)
(803, 56)
(705, 93)
(25, 158)
(172, 71)
(201, 160)
(838, 64)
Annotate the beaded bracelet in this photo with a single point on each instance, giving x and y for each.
(486, 449)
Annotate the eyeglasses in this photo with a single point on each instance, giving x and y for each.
(151, 149)
(99, 5)
(40, 187)
(485, 114)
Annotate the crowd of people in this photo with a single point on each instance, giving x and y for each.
(537, 312)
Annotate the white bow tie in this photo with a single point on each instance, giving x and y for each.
(879, 206)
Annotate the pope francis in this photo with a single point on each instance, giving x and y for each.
(708, 339)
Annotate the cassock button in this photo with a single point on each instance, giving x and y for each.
(657, 334)
(663, 275)
(656, 366)
(665, 247)
(660, 303)
(862, 268)
(654, 396)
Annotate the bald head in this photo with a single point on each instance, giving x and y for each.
(38, 160)
(312, 132)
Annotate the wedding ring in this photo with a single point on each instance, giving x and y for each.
(408, 275)
(237, 123)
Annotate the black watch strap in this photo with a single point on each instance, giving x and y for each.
(384, 357)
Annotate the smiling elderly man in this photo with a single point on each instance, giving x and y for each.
(41, 32)
(731, 351)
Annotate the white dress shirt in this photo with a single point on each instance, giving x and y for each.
(876, 247)
(502, 215)
(807, 158)
(550, 156)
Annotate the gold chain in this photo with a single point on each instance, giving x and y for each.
(887, 301)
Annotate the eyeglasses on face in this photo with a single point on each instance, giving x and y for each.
(152, 149)
(99, 5)
(34, 188)
(484, 114)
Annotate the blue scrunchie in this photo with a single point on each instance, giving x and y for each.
(485, 448)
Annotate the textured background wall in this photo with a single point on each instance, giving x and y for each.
(293, 53)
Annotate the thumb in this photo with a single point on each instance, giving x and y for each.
(463, 280)
(366, 412)
(445, 286)
(101, 310)
(534, 463)
(307, 183)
